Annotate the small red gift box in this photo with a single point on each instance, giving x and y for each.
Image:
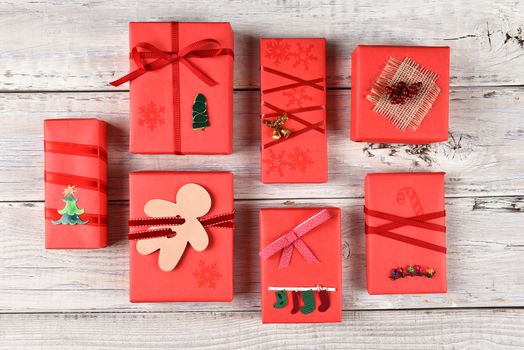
(301, 265)
(400, 94)
(293, 107)
(181, 236)
(405, 233)
(181, 87)
(75, 183)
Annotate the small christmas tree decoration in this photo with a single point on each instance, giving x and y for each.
(70, 212)
(200, 118)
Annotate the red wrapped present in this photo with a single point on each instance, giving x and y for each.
(181, 87)
(293, 108)
(75, 183)
(301, 265)
(181, 236)
(405, 233)
(400, 94)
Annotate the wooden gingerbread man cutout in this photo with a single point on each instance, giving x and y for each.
(192, 201)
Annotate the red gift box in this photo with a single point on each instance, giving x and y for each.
(301, 265)
(181, 87)
(422, 118)
(405, 233)
(293, 107)
(75, 183)
(181, 236)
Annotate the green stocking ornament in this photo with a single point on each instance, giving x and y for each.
(309, 302)
(281, 302)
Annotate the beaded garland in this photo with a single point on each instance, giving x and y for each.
(411, 271)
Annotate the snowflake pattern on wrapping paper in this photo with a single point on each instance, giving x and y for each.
(207, 275)
(276, 162)
(151, 115)
(303, 55)
(297, 96)
(277, 51)
(297, 159)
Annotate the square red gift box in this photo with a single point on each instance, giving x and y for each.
(75, 152)
(400, 94)
(181, 87)
(181, 236)
(293, 108)
(301, 265)
(405, 233)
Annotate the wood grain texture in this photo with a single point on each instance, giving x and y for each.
(482, 261)
(482, 157)
(70, 50)
(388, 330)
(82, 45)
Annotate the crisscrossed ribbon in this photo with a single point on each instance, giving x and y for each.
(292, 113)
(225, 220)
(292, 239)
(396, 221)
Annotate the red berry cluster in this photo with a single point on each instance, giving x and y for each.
(399, 92)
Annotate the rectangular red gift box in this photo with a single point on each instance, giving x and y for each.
(293, 110)
(368, 62)
(405, 233)
(181, 236)
(301, 265)
(75, 183)
(171, 64)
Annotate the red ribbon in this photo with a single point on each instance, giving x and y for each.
(75, 149)
(292, 113)
(88, 183)
(201, 49)
(221, 221)
(396, 221)
(93, 219)
(286, 242)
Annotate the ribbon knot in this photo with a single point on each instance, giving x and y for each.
(143, 51)
(292, 239)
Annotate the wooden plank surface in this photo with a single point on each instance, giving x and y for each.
(482, 261)
(56, 59)
(482, 157)
(388, 330)
(82, 45)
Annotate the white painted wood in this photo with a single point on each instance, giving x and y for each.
(79, 299)
(484, 239)
(83, 45)
(482, 157)
(387, 330)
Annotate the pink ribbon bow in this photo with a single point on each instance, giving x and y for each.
(292, 239)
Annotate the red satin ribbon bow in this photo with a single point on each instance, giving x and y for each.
(220, 220)
(396, 221)
(202, 49)
(292, 239)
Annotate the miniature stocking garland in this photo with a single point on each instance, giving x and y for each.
(200, 118)
(296, 304)
(309, 302)
(281, 302)
(323, 295)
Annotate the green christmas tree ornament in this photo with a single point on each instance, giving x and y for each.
(70, 213)
(200, 118)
